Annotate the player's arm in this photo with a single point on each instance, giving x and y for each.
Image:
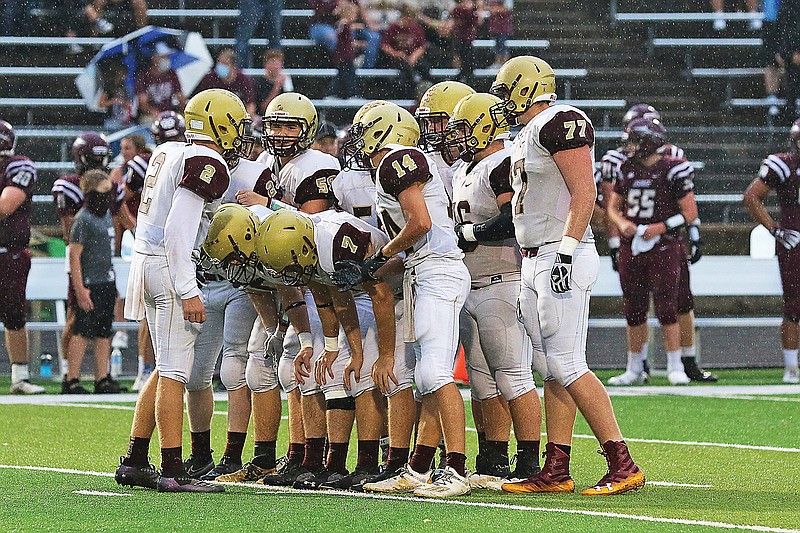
(615, 204)
(753, 200)
(419, 220)
(314, 193)
(124, 218)
(180, 232)
(76, 273)
(383, 307)
(575, 166)
(10, 200)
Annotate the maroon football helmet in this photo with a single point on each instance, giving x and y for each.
(8, 139)
(794, 137)
(645, 135)
(169, 126)
(90, 150)
(639, 111)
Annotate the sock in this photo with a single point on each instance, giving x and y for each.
(137, 452)
(643, 354)
(19, 372)
(689, 351)
(312, 456)
(496, 449)
(421, 458)
(234, 446)
(337, 457)
(790, 358)
(457, 461)
(368, 454)
(674, 363)
(636, 362)
(384, 446)
(141, 366)
(397, 458)
(528, 449)
(481, 443)
(201, 444)
(171, 462)
(264, 454)
(296, 452)
(564, 448)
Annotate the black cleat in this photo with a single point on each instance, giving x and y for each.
(286, 475)
(314, 481)
(225, 466)
(186, 484)
(359, 476)
(72, 386)
(526, 466)
(136, 476)
(108, 385)
(197, 467)
(382, 474)
(695, 373)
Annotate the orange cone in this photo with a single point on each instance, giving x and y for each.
(460, 373)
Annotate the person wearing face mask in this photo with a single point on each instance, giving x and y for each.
(91, 238)
(158, 88)
(227, 75)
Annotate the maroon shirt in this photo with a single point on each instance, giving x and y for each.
(405, 39)
(345, 50)
(159, 88)
(781, 172)
(652, 194)
(465, 22)
(242, 85)
(133, 173)
(324, 11)
(501, 22)
(17, 171)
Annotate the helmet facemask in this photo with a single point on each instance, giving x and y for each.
(459, 142)
(504, 114)
(294, 275)
(242, 143)
(285, 145)
(433, 126)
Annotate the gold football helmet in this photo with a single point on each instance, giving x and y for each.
(295, 111)
(219, 116)
(471, 128)
(231, 242)
(378, 127)
(286, 247)
(435, 109)
(521, 82)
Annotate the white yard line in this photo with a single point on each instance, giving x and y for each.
(100, 493)
(685, 485)
(487, 505)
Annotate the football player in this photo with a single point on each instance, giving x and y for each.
(162, 283)
(552, 155)
(653, 197)
(781, 173)
(17, 178)
(413, 207)
(499, 354)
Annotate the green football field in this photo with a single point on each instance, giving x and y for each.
(726, 459)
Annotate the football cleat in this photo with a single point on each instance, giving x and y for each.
(26, 387)
(186, 484)
(526, 466)
(403, 480)
(314, 481)
(554, 477)
(357, 477)
(695, 373)
(197, 467)
(141, 379)
(249, 473)
(623, 474)
(487, 473)
(791, 376)
(446, 483)
(285, 476)
(678, 377)
(72, 386)
(629, 378)
(134, 476)
(225, 466)
(382, 474)
(108, 385)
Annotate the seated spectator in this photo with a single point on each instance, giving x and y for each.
(720, 23)
(116, 17)
(466, 19)
(345, 83)
(275, 80)
(158, 88)
(251, 13)
(114, 97)
(226, 75)
(404, 44)
(323, 29)
(501, 28)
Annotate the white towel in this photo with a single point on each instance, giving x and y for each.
(639, 245)
(134, 295)
(409, 299)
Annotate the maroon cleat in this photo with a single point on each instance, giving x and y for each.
(554, 476)
(186, 484)
(623, 474)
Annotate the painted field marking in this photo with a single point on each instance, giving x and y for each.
(100, 493)
(642, 518)
(685, 485)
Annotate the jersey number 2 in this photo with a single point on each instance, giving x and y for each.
(518, 173)
(150, 179)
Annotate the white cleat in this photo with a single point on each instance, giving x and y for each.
(120, 340)
(485, 481)
(26, 387)
(141, 379)
(678, 377)
(629, 378)
(406, 480)
(445, 483)
(791, 376)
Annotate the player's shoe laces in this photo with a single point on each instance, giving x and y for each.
(314, 481)
(553, 477)
(225, 466)
(357, 477)
(629, 378)
(623, 474)
(445, 483)
(25, 387)
(695, 373)
(678, 377)
(108, 385)
(249, 473)
(284, 476)
(791, 375)
(136, 476)
(403, 480)
(487, 472)
(197, 467)
(186, 484)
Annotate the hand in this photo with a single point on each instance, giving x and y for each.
(463, 243)
(354, 367)
(614, 254)
(324, 366)
(383, 374)
(560, 274)
(628, 229)
(348, 273)
(273, 348)
(85, 299)
(654, 230)
(302, 364)
(248, 198)
(789, 238)
(194, 310)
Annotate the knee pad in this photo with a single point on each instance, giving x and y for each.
(481, 385)
(232, 372)
(513, 384)
(260, 374)
(286, 374)
(347, 403)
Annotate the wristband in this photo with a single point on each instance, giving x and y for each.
(468, 232)
(675, 221)
(613, 242)
(306, 341)
(568, 245)
(332, 344)
(694, 233)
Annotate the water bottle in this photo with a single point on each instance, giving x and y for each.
(116, 363)
(45, 365)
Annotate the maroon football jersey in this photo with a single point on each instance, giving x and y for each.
(68, 196)
(652, 194)
(17, 171)
(133, 173)
(782, 173)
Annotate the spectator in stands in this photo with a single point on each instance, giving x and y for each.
(116, 17)
(720, 24)
(345, 83)
(773, 63)
(323, 29)
(466, 17)
(158, 88)
(274, 81)
(326, 139)
(501, 28)
(251, 13)
(226, 75)
(114, 97)
(788, 28)
(93, 277)
(404, 44)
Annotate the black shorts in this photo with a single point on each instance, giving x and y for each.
(14, 265)
(99, 322)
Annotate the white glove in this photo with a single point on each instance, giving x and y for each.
(273, 348)
(789, 238)
(560, 274)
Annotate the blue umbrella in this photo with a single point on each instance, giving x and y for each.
(189, 58)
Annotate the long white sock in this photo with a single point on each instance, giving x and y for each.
(635, 364)
(643, 354)
(790, 358)
(689, 351)
(19, 372)
(674, 363)
(141, 365)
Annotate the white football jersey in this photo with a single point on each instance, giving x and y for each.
(446, 171)
(476, 187)
(541, 198)
(305, 177)
(250, 176)
(355, 193)
(399, 169)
